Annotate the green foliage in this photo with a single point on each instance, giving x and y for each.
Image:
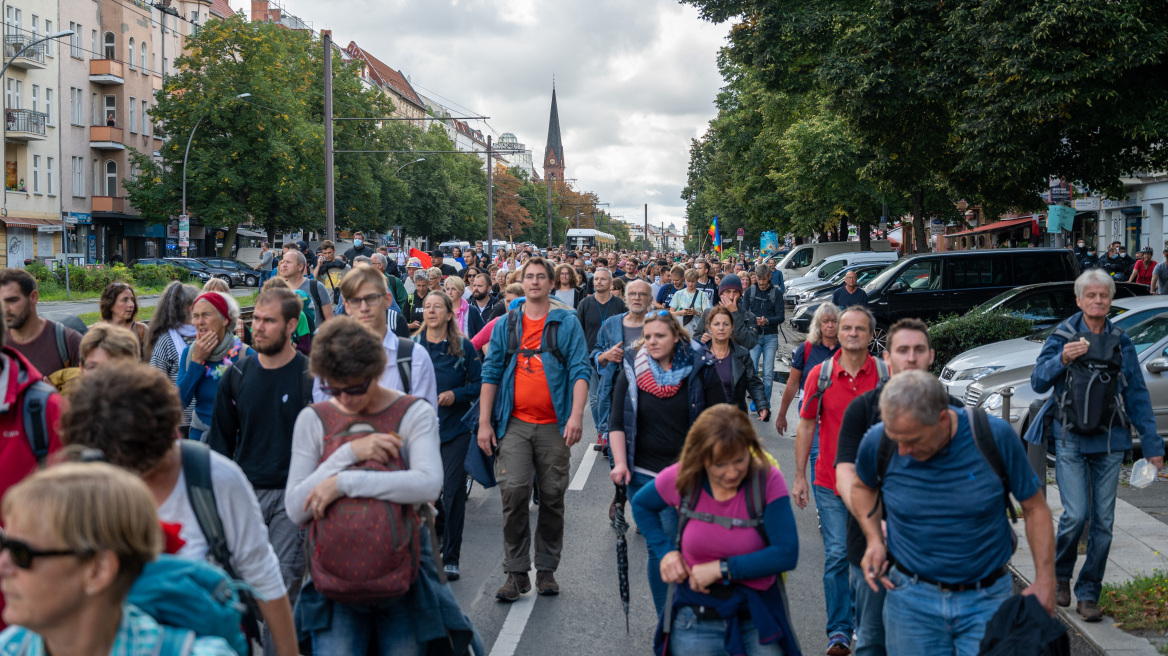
(1138, 604)
(957, 334)
(85, 280)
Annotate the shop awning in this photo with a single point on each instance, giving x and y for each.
(997, 225)
(19, 222)
(250, 233)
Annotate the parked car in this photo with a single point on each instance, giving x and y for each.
(248, 275)
(931, 285)
(1150, 338)
(1011, 361)
(824, 289)
(202, 275)
(232, 278)
(803, 257)
(833, 265)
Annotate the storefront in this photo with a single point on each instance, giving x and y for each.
(79, 236)
(1008, 233)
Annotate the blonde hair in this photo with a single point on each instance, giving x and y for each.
(360, 275)
(457, 282)
(92, 507)
(434, 272)
(216, 285)
(822, 313)
(670, 321)
(118, 342)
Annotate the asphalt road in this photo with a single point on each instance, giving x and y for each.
(587, 618)
(61, 309)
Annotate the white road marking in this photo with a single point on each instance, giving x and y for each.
(585, 468)
(508, 640)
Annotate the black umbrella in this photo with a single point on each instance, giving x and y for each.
(621, 526)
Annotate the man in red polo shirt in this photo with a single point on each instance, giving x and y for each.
(852, 373)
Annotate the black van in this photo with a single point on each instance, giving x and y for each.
(930, 285)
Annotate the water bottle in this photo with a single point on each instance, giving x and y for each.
(1143, 473)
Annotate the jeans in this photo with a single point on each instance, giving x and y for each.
(691, 636)
(593, 387)
(287, 541)
(532, 451)
(354, 627)
(869, 615)
(452, 510)
(767, 346)
(921, 618)
(1087, 484)
(657, 587)
(833, 521)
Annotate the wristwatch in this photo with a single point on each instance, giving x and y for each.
(724, 565)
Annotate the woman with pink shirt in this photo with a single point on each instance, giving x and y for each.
(737, 537)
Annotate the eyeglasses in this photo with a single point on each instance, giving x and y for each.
(22, 555)
(356, 390)
(369, 299)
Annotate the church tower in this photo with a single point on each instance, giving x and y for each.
(553, 156)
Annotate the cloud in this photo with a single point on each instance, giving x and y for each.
(635, 79)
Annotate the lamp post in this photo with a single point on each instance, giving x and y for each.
(420, 159)
(187, 154)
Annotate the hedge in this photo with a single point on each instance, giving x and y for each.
(955, 334)
(82, 279)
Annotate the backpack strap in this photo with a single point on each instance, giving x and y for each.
(551, 338)
(62, 346)
(823, 383)
(1063, 331)
(983, 437)
(884, 453)
(398, 409)
(35, 415)
(882, 370)
(235, 383)
(756, 501)
(314, 291)
(196, 467)
(806, 354)
(405, 357)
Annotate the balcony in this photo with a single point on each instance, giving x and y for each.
(115, 204)
(104, 137)
(24, 125)
(106, 71)
(33, 57)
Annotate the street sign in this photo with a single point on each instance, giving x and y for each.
(741, 234)
(936, 227)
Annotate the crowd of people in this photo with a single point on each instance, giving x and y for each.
(312, 452)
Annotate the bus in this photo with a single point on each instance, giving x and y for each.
(581, 238)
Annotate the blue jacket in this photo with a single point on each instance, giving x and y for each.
(499, 370)
(611, 332)
(777, 280)
(1050, 372)
(463, 376)
(703, 375)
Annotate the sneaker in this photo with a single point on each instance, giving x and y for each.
(837, 645)
(545, 583)
(518, 584)
(601, 443)
(1089, 611)
(451, 571)
(1062, 594)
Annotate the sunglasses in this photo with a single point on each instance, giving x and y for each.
(356, 390)
(22, 555)
(659, 313)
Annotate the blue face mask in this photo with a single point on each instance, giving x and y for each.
(358, 242)
(1090, 253)
(1113, 256)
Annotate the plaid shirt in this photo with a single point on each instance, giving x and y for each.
(138, 635)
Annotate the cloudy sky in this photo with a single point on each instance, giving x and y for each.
(635, 79)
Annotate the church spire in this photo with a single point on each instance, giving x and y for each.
(553, 156)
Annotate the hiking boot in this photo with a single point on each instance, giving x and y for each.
(545, 583)
(518, 584)
(1089, 611)
(451, 571)
(1062, 594)
(837, 645)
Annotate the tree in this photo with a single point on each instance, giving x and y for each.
(511, 217)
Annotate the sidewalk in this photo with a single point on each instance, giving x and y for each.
(1139, 544)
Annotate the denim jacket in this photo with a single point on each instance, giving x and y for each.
(499, 370)
(1049, 372)
(611, 332)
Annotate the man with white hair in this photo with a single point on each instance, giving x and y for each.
(292, 269)
(1089, 445)
(943, 474)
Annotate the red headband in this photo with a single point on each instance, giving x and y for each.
(217, 301)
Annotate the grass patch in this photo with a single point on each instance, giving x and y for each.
(1139, 604)
(144, 314)
(46, 296)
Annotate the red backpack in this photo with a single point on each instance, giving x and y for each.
(363, 550)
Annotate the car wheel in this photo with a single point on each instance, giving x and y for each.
(251, 281)
(879, 338)
(227, 279)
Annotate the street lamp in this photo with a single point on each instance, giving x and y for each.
(420, 159)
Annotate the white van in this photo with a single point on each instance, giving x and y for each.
(833, 263)
(801, 258)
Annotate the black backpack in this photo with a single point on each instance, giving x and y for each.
(983, 438)
(551, 341)
(34, 414)
(1092, 398)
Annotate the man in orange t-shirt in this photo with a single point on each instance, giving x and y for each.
(532, 410)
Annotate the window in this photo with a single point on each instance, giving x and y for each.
(95, 110)
(131, 62)
(96, 179)
(49, 161)
(94, 50)
(75, 106)
(164, 65)
(12, 20)
(921, 276)
(36, 93)
(36, 174)
(49, 43)
(111, 178)
(13, 94)
(144, 69)
(36, 27)
(109, 51)
(48, 106)
(978, 271)
(110, 116)
(77, 165)
(75, 40)
(145, 116)
(133, 114)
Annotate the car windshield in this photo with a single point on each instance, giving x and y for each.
(193, 264)
(881, 280)
(995, 301)
(1041, 335)
(1149, 332)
